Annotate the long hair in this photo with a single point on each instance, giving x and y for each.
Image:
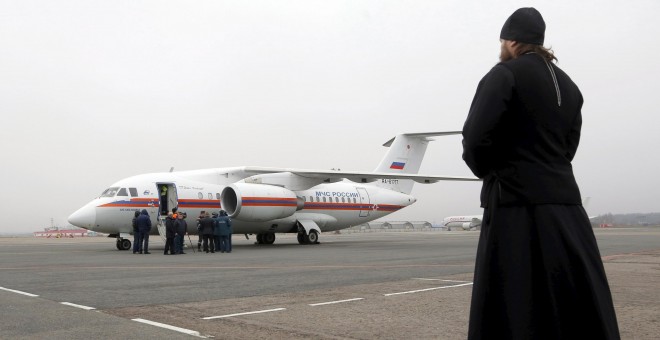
(547, 53)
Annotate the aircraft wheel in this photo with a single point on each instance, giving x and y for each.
(313, 237)
(124, 244)
(268, 238)
(260, 238)
(301, 238)
(118, 244)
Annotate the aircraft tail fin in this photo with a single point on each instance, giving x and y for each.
(405, 157)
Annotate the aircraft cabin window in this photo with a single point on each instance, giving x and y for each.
(217, 195)
(110, 192)
(200, 195)
(318, 199)
(342, 200)
(210, 196)
(337, 199)
(133, 192)
(122, 192)
(324, 200)
(311, 198)
(354, 200)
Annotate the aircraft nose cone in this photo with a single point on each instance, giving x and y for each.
(84, 217)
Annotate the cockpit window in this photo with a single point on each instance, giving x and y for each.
(110, 192)
(133, 192)
(122, 192)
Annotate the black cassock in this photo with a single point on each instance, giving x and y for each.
(538, 273)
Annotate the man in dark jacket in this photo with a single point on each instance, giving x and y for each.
(144, 226)
(207, 225)
(202, 214)
(538, 272)
(181, 228)
(223, 223)
(170, 230)
(136, 234)
(216, 231)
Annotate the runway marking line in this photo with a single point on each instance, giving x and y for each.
(419, 278)
(170, 327)
(246, 313)
(428, 289)
(78, 306)
(333, 302)
(18, 292)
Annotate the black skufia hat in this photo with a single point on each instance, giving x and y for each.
(525, 25)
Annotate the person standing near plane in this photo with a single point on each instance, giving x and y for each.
(144, 227)
(206, 225)
(216, 231)
(199, 230)
(136, 233)
(170, 230)
(181, 227)
(163, 199)
(538, 272)
(225, 230)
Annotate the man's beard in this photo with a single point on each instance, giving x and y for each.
(505, 55)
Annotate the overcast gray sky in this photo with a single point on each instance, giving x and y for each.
(95, 91)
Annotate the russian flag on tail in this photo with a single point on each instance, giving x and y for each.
(397, 165)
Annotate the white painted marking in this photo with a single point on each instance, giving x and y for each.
(246, 313)
(77, 306)
(428, 289)
(18, 292)
(170, 327)
(333, 302)
(419, 278)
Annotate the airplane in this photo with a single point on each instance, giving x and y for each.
(462, 222)
(472, 222)
(265, 201)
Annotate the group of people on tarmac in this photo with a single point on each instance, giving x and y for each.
(175, 230)
(214, 232)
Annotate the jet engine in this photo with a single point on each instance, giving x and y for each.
(259, 202)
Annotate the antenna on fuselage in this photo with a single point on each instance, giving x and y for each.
(171, 169)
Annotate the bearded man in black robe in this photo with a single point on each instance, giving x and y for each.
(538, 272)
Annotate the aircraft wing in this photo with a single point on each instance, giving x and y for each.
(358, 177)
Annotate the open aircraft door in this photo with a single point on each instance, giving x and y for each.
(364, 202)
(167, 200)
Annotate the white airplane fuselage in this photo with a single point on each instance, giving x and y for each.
(332, 206)
(266, 201)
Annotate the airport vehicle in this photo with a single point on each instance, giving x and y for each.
(266, 201)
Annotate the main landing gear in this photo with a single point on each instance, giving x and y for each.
(311, 238)
(123, 244)
(266, 238)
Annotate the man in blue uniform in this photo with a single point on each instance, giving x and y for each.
(223, 223)
(144, 226)
(538, 273)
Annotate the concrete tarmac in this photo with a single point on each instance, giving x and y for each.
(388, 285)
